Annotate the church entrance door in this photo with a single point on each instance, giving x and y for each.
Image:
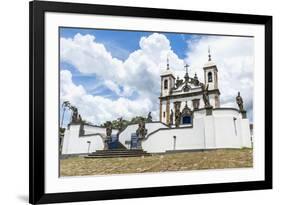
(113, 143)
(135, 142)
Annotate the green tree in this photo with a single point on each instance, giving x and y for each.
(122, 124)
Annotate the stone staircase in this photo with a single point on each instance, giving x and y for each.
(113, 153)
(120, 146)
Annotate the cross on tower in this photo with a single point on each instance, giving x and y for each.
(186, 68)
(209, 55)
(186, 73)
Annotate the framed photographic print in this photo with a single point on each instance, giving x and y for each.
(130, 102)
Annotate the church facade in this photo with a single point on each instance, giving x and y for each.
(190, 118)
(180, 97)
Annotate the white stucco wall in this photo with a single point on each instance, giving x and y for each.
(186, 138)
(246, 134)
(230, 129)
(225, 128)
(75, 144)
(225, 133)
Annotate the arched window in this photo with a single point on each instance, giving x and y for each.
(186, 115)
(210, 77)
(166, 84)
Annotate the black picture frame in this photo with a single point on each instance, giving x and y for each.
(37, 9)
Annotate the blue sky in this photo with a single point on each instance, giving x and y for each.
(113, 73)
(120, 44)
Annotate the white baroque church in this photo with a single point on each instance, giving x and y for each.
(190, 118)
(186, 95)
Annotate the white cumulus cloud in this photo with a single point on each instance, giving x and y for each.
(234, 57)
(98, 109)
(140, 73)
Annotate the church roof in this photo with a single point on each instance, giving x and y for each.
(188, 85)
(209, 64)
(167, 72)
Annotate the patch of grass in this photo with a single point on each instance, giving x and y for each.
(214, 159)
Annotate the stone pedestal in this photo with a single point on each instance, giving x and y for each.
(209, 110)
(106, 141)
(244, 114)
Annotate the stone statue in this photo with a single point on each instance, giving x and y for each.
(149, 117)
(108, 129)
(206, 95)
(171, 117)
(177, 118)
(79, 118)
(120, 124)
(239, 102)
(108, 132)
(106, 141)
(178, 82)
(74, 117)
(196, 81)
(141, 131)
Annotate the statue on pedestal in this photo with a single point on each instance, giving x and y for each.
(206, 95)
(196, 81)
(171, 117)
(108, 131)
(141, 131)
(239, 101)
(178, 82)
(177, 105)
(177, 118)
(75, 117)
(79, 118)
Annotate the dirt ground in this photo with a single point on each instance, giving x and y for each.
(215, 159)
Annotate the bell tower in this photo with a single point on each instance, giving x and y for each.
(167, 81)
(211, 79)
(211, 73)
(167, 84)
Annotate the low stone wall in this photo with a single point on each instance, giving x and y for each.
(92, 140)
(225, 128)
